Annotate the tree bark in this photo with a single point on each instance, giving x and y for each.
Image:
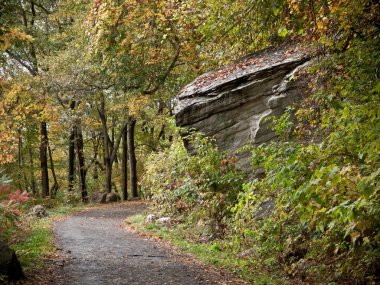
(110, 152)
(95, 143)
(71, 159)
(81, 162)
(132, 156)
(160, 112)
(72, 152)
(54, 188)
(43, 160)
(33, 179)
(124, 166)
(106, 147)
(112, 145)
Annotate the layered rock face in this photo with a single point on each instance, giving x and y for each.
(232, 103)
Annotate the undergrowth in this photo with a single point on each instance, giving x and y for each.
(35, 240)
(216, 252)
(314, 216)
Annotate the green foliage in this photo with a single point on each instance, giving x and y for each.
(203, 184)
(35, 238)
(326, 191)
(38, 243)
(283, 125)
(215, 252)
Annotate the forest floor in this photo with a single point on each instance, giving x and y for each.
(95, 247)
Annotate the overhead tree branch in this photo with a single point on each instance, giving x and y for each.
(162, 79)
(42, 8)
(17, 58)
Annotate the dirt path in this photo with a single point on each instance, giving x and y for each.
(98, 250)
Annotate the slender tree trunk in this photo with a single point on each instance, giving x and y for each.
(116, 160)
(108, 186)
(110, 151)
(72, 152)
(124, 165)
(95, 142)
(106, 148)
(112, 138)
(71, 159)
(160, 112)
(33, 179)
(43, 160)
(54, 188)
(81, 163)
(132, 157)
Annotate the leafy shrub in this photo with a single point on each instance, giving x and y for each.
(10, 204)
(327, 191)
(203, 184)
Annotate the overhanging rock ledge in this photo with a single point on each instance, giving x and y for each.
(232, 103)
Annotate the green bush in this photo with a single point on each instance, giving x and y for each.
(325, 180)
(203, 184)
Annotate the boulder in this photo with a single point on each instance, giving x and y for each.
(9, 264)
(164, 220)
(98, 197)
(112, 197)
(39, 211)
(150, 219)
(232, 104)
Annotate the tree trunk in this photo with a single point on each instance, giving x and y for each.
(54, 188)
(71, 158)
(33, 179)
(132, 156)
(112, 145)
(160, 112)
(43, 159)
(95, 143)
(72, 152)
(106, 147)
(110, 150)
(108, 186)
(170, 137)
(124, 167)
(81, 162)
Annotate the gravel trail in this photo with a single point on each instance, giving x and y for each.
(97, 249)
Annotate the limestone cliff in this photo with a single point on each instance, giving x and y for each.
(231, 104)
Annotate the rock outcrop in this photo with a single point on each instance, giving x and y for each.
(101, 197)
(9, 264)
(98, 197)
(112, 197)
(232, 103)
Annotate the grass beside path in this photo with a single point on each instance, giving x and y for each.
(216, 252)
(35, 239)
